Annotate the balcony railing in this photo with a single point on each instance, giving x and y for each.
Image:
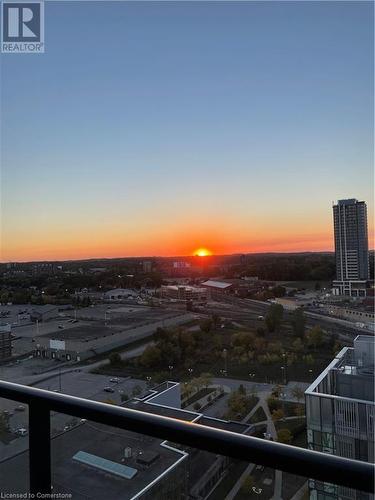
(320, 466)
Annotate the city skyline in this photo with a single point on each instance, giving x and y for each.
(228, 127)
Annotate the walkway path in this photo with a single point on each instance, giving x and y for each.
(271, 430)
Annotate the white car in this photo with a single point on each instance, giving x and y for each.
(21, 431)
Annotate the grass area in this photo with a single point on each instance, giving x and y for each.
(260, 430)
(291, 484)
(290, 408)
(197, 396)
(258, 416)
(297, 427)
(234, 472)
(239, 406)
(6, 437)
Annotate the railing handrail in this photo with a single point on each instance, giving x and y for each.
(311, 464)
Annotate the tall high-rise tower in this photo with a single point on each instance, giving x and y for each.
(351, 247)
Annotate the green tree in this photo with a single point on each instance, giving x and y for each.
(206, 325)
(299, 410)
(274, 317)
(277, 414)
(241, 389)
(247, 484)
(297, 345)
(236, 405)
(151, 357)
(205, 379)
(137, 390)
(273, 403)
(284, 436)
(279, 291)
(260, 331)
(4, 422)
(115, 359)
(298, 393)
(216, 320)
(308, 359)
(298, 322)
(315, 337)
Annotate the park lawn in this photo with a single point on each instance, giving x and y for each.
(291, 407)
(6, 436)
(198, 395)
(297, 427)
(234, 472)
(258, 416)
(291, 484)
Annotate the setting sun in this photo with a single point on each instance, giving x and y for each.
(202, 252)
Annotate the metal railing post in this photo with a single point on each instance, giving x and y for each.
(39, 448)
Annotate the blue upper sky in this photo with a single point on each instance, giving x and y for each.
(238, 122)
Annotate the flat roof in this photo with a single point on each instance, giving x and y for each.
(87, 480)
(216, 284)
(105, 465)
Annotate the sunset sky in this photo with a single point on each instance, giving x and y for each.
(160, 128)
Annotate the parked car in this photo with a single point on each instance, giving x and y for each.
(20, 408)
(114, 380)
(21, 431)
(109, 389)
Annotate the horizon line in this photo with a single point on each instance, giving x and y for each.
(170, 256)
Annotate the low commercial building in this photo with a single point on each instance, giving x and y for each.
(355, 314)
(184, 293)
(121, 326)
(357, 288)
(44, 313)
(217, 287)
(119, 294)
(292, 303)
(340, 411)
